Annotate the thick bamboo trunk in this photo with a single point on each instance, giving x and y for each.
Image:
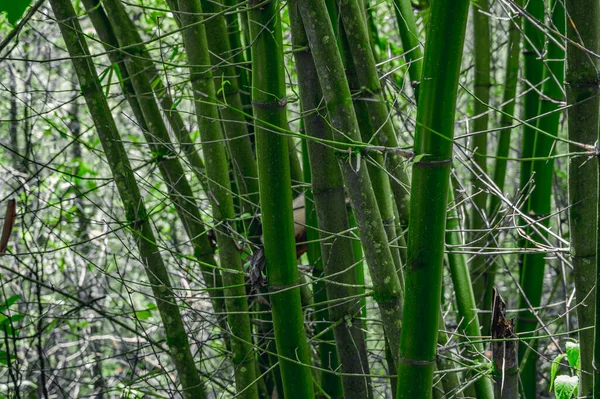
(368, 79)
(269, 101)
(330, 207)
(230, 81)
(583, 100)
(332, 77)
(217, 168)
(429, 195)
(133, 203)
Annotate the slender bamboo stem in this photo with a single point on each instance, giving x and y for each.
(330, 382)
(465, 298)
(481, 36)
(450, 380)
(509, 101)
(358, 184)
(269, 102)
(368, 78)
(105, 31)
(583, 100)
(213, 148)
(171, 170)
(429, 195)
(409, 36)
(133, 203)
(539, 206)
(228, 80)
(533, 72)
(235, 33)
(332, 216)
(376, 164)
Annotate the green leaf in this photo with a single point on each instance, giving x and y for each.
(417, 158)
(14, 9)
(174, 53)
(176, 103)
(9, 302)
(554, 368)
(146, 313)
(573, 353)
(565, 387)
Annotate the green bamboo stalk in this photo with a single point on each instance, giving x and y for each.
(368, 79)
(235, 33)
(465, 297)
(228, 79)
(330, 382)
(332, 217)
(413, 55)
(481, 37)
(359, 265)
(583, 100)
(269, 103)
(509, 101)
(388, 291)
(135, 211)
(110, 43)
(376, 166)
(539, 206)
(296, 174)
(429, 195)
(450, 380)
(533, 71)
(213, 148)
(106, 33)
(179, 189)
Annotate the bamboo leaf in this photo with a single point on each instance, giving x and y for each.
(573, 353)
(565, 387)
(554, 369)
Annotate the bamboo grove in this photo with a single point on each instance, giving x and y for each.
(299, 199)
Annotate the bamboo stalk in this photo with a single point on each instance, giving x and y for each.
(228, 80)
(583, 100)
(179, 190)
(533, 73)
(330, 382)
(332, 217)
(105, 31)
(269, 102)
(135, 211)
(509, 101)
(481, 36)
(213, 148)
(368, 79)
(465, 298)
(409, 36)
(388, 292)
(429, 195)
(539, 205)
(376, 164)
